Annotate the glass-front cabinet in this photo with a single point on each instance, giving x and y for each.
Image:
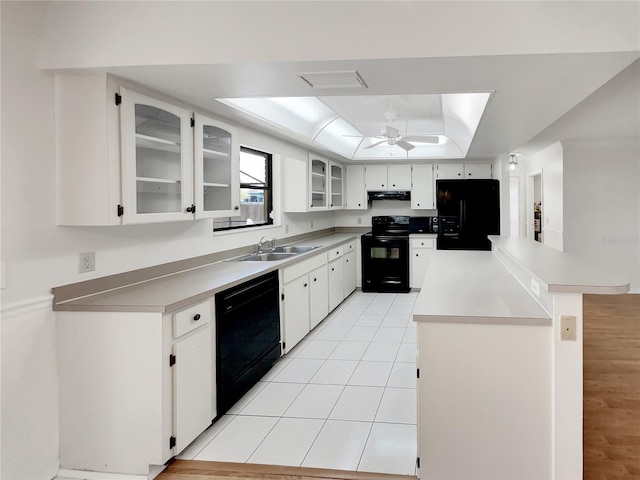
(318, 172)
(336, 179)
(157, 160)
(216, 169)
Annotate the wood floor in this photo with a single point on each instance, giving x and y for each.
(611, 387)
(201, 470)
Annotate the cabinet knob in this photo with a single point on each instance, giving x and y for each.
(191, 209)
(305, 285)
(417, 255)
(418, 204)
(196, 317)
(315, 279)
(236, 207)
(359, 204)
(332, 269)
(394, 184)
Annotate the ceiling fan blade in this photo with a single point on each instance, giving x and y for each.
(392, 131)
(405, 145)
(422, 138)
(374, 144)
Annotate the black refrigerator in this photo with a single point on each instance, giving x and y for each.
(468, 211)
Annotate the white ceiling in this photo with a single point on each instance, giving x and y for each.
(530, 92)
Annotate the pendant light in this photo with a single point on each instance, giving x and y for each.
(513, 162)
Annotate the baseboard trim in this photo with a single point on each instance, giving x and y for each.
(64, 474)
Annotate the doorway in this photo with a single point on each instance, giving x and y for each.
(534, 207)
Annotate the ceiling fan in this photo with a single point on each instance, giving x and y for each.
(392, 136)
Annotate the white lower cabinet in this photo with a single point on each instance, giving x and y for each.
(303, 288)
(193, 379)
(296, 311)
(349, 272)
(336, 283)
(135, 387)
(314, 287)
(318, 296)
(421, 250)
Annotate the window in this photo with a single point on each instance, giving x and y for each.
(256, 199)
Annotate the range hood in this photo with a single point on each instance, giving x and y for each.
(390, 195)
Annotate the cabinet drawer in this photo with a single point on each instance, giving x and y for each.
(422, 243)
(191, 318)
(300, 268)
(335, 252)
(349, 247)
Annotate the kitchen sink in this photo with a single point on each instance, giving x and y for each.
(293, 249)
(267, 257)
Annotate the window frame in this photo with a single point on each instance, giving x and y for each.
(268, 157)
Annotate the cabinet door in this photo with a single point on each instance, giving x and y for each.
(217, 184)
(349, 265)
(375, 177)
(318, 295)
(336, 185)
(449, 171)
(356, 193)
(477, 170)
(399, 177)
(157, 158)
(296, 311)
(422, 189)
(318, 185)
(421, 252)
(336, 283)
(192, 386)
(295, 190)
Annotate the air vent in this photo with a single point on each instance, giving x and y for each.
(347, 79)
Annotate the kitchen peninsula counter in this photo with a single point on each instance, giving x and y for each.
(173, 292)
(500, 361)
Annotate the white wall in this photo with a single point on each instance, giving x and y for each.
(547, 161)
(102, 34)
(40, 255)
(602, 206)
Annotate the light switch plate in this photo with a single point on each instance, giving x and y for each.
(568, 328)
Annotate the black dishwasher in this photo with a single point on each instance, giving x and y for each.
(248, 337)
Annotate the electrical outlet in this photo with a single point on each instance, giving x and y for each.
(568, 327)
(87, 262)
(535, 287)
(286, 228)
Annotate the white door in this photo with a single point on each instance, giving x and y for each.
(318, 295)
(422, 189)
(192, 386)
(157, 160)
(217, 184)
(296, 311)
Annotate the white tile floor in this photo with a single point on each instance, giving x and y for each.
(344, 398)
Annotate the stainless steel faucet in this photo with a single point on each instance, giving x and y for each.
(266, 244)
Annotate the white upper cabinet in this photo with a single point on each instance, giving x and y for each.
(461, 171)
(318, 183)
(422, 189)
(449, 171)
(375, 177)
(477, 171)
(312, 194)
(388, 177)
(356, 192)
(123, 157)
(336, 186)
(217, 184)
(399, 177)
(157, 160)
